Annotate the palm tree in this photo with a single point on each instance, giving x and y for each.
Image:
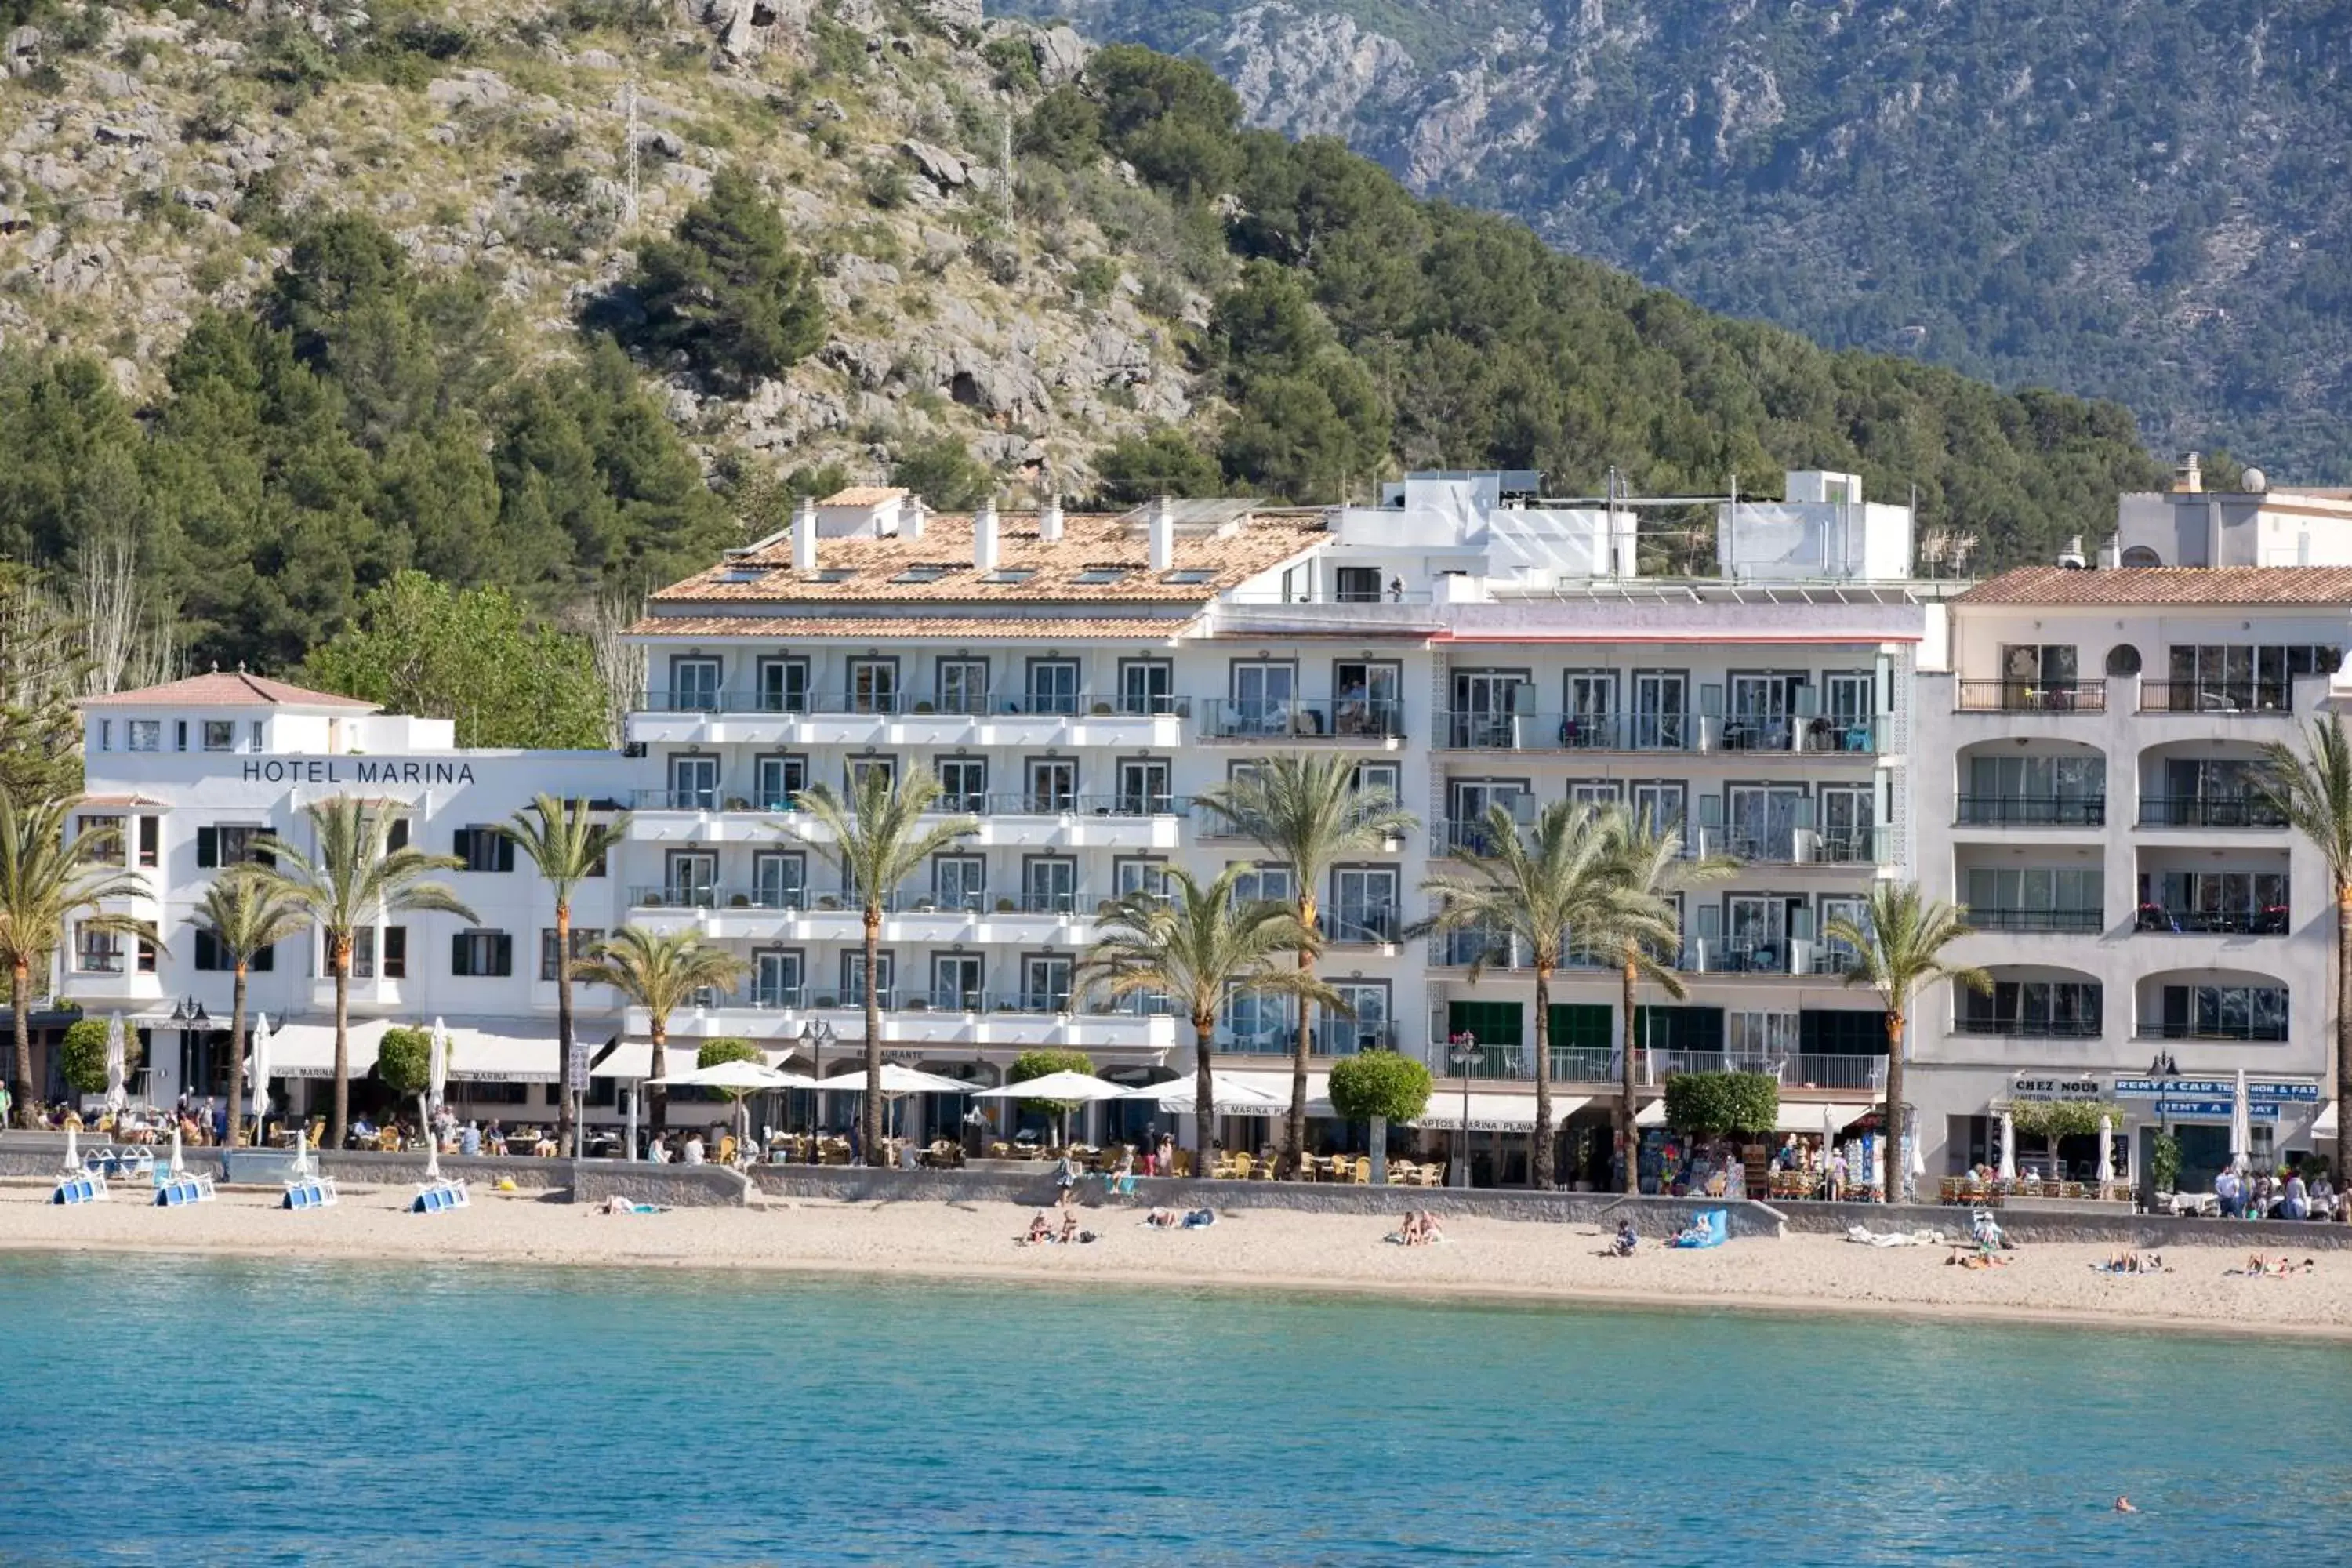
(568, 846)
(245, 917)
(350, 876)
(47, 885)
(1898, 946)
(1652, 869)
(2314, 792)
(1199, 946)
(1306, 813)
(1531, 897)
(660, 972)
(876, 839)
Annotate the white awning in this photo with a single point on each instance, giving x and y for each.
(2325, 1126)
(1494, 1112)
(308, 1050)
(1651, 1115)
(1813, 1115)
(1276, 1086)
(505, 1051)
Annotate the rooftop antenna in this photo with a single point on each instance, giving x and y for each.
(629, 108)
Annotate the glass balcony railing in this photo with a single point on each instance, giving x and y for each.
(1360, 924)
(897, 703)
(1305, 719)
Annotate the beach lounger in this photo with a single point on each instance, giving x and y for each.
(439, 1197)
(311, 1193)
(82, 1187)
(177, 1191)
(1717, 1232)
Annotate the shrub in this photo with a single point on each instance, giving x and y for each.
(1709, 1104)
(1162, 462)
(1380, 1084)
(403, 1062)
(83, 1055)
(942, 472)
(714, 1052)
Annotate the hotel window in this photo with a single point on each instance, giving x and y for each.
(2224, 1013)
(484, 849)
(694, 685)
(784, 685)
(481, 954)
(1269, 883)
(779, 881)
(1053, 686)
(963, 686)
(584, 940)
(859, 767)
(395, 836)
(1049, 886)
(963, 784)
(1143, 876)
(179, 734)
(694, 783)
(1367, 698)
(106, 734)
(226, 846)
(1356, 585)
(873, 686)
(960, 881)
(1045, 983)
(254, 736)
(98, 952)
(212, 957)
(1053, 783)
(1378, 778)
(1366, 1028)
(145, 734)
(958, 982)
(363, 954)
(1147, 686)
(220, 734)
(146, 956)
(853, 978)
(109, 829)
(151, 840)
(1143, 787)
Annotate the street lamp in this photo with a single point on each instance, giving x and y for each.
(1463, 1052)
(193, 1023)
(816, 1035)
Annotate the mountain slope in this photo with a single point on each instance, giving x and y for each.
(2139, 199)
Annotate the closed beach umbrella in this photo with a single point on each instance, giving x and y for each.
(118, 1070)
(436, 1079)
(2107, 1152)
(2008, 1147)
(257, 1073)
(179, 1166)
(2242, 1132)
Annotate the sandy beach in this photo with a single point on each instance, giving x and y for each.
(1250, 1248)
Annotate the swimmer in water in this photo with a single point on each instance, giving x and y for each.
(2123, 1505)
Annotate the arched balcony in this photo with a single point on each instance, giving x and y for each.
(2032, 782)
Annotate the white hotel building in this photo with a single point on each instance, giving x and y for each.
(1076, 681)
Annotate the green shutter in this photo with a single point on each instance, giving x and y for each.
(1592, 1024)
(1494, 1022)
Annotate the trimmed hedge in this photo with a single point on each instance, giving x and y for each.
(1380, 1084)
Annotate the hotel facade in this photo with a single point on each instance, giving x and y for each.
(1077, 682)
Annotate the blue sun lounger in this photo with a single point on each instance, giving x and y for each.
(79, 1187)
(1719, 1231)
(175, 1191)
(439, 1197)
(311, 1193)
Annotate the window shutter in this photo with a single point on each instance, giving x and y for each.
(505, 853)
(396, 835)
(502, 954)
(461, 844)
(207, 847)
(460, 955)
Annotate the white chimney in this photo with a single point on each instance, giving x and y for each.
(1163, 535)
(2111, 555)
(984, 535)
(805, 536)
(1049, 519)
(910, 517)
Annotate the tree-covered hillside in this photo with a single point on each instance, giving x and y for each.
(2145, 200)
(519, 386)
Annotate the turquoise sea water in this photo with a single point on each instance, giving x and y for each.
(200, 1411)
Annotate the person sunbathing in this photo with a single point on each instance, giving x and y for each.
(1163, 1219)
(1069, 1228)
(1040, 1231)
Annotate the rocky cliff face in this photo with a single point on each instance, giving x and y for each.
(2141, 199)
(150, 162)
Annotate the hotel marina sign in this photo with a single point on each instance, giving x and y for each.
(357, 771)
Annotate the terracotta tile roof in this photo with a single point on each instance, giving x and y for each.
(103, 801)
(1028, 569)
(2162, 585)
(899, 629)
(863, 495)
(219, 689)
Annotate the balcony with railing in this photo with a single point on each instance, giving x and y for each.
(1815, 734)
(2053, 697)
(2156, 919)
(902, 702)
(2031, 811)
(2274, 698)
(1327, 1037)
(1793, 1070)
(1361, 925)
(2210, 811)
(2027, 1026)
(1374, 719)
(2050, 922)
(953, 803)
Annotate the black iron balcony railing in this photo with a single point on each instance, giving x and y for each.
(2033, 697)
(2210, 811)
(1997, 917)
(2032, 811)
(2247, 696)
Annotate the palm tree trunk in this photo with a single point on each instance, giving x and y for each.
(569, 1115)
(237, 1063)
(1539, 1157)
(1295, 1127)
(1204, 1092)
(1892, 1182)
(2343, 1033)
(1626, 1108)
(340, 949)
(870, 1114)
(20, 1002)
(658, 1096)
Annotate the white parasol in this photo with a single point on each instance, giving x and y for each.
(738, 1080)
(256, 1070)
(2106, 1150)
(2241, 1131)
(118, 1070)
(1077, 1086)
(2008, 1147)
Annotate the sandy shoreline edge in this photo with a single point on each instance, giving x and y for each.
(1251, 1252)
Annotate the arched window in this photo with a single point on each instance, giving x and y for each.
(2141, 556)
(2122, 659)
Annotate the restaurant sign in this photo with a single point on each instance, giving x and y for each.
(2026, 1087)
